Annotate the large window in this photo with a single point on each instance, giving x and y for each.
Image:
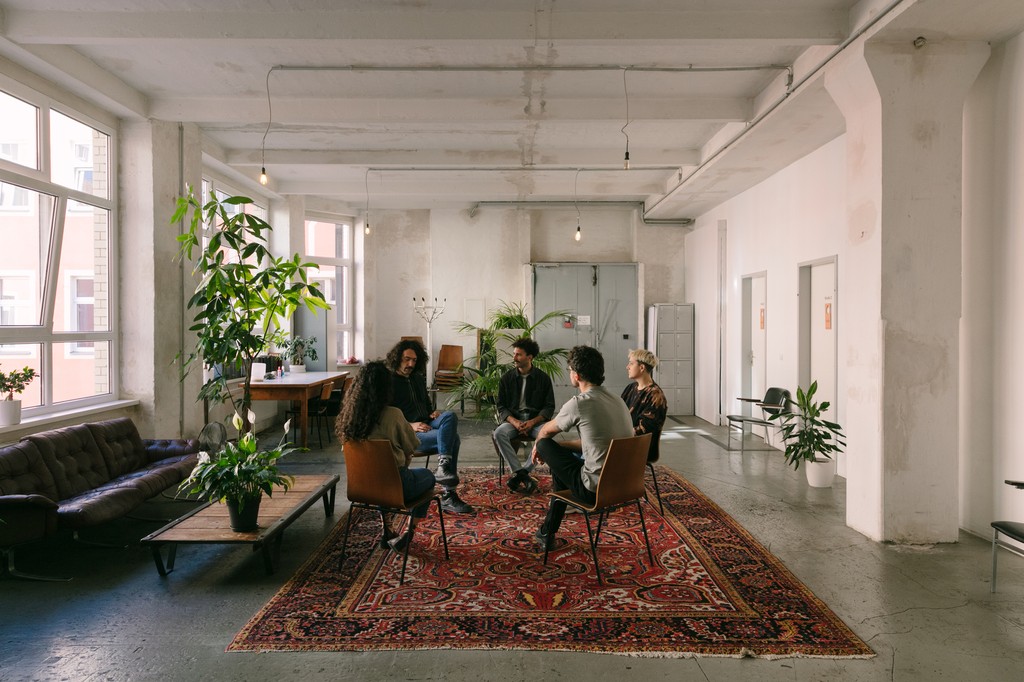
(329, 245)
(57, 262)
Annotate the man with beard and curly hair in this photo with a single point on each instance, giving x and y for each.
(436, 430)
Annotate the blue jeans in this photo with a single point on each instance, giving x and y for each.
(503, 436)
(415, 482)
(443, 438)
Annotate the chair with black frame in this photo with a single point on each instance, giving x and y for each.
(1011, 529)
(315, 410)
(775, 400)
(621, 483)
(653, 455)
(373, 482)
(448, 375)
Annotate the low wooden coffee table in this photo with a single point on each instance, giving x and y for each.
(209, 523)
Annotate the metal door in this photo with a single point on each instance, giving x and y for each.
(605, 300)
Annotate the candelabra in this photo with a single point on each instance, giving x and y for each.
(428, 313)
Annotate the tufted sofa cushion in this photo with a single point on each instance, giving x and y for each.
(23, 472)
(119, 442)
(74, 459)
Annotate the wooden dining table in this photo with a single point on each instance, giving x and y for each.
(298, 387)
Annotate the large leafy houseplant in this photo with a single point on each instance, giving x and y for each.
(807, 436)
(240, 473)
(244, 294)
(505, 324)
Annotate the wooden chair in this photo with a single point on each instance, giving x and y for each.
(775, 400)
(448, 375)
(1011, 529)
(373, 483)
(621, 484)
(314, 410)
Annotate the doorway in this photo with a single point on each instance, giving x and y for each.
(754, 338)
(819, 316)
(605, 300)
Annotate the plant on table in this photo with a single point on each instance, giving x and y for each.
(807, 436)
(240, 473)
(298, 348)
(15, 381)
(480, 383)
(244, 294)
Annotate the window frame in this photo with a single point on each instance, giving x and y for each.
(345, 287)
(39, 179)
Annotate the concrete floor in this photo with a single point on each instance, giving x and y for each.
(926, 611)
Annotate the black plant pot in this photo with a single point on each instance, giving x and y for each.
(244, 516)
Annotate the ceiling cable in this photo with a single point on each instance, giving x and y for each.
(366, 186)
(625, 91)
(575, 181)
(263, 144)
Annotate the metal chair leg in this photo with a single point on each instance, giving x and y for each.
(7, 568)
(643, 526)
(657, 491)
(995, 546)
(344, 542)
(593, 542)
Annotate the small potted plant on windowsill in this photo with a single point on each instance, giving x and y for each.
(240, 474)
(13, 382)
(809, 438)
(298, 348)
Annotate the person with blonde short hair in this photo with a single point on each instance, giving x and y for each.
(645, 399)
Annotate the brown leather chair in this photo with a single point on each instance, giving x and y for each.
(373, 483)
(448, 375)
(621, 484)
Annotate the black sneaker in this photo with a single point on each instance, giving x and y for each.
(398, 544)
(514, 482)
(529, 485)
(445, 475)
(541, 539)
(451, 502)
(386, 537)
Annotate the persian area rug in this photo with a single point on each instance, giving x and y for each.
(713, 590)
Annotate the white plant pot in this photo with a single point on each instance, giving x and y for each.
(819, 474)
(10, 412)
(297, 369)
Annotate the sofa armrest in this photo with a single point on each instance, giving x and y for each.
(25, 518)
(158, 449)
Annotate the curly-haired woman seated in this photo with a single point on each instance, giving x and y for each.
(367, 415)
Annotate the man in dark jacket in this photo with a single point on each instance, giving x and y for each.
(437, 431)
(526, 400)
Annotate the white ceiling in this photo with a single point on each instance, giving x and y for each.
(428, 103)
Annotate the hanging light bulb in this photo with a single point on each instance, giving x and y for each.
(625, 91)
(625, 161)
(575, 182)
(263, 145)
(366, 185)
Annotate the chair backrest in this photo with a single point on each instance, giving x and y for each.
(622, 476)
(415, 338)
(325, 391)
(372, 474)
(449, 358)
(776, 396)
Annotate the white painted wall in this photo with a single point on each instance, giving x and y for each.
(796, 216)
(992, 365)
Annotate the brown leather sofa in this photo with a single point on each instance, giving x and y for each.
(81, 476)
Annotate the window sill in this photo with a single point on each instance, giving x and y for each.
(36, 423)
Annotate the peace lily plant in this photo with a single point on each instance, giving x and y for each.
(807, 436)
(240, 473)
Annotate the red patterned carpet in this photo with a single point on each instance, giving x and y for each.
(713, 591)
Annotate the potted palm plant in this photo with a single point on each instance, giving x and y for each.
(13, 382)
(506, 323)
(244, 293)
(809, 439)
(297, 349)
(240, 474)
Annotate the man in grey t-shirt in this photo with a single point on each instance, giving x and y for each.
(599, 416)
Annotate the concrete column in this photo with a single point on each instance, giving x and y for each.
(155, 157)
(904, 110)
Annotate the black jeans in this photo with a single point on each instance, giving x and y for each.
(565, 468)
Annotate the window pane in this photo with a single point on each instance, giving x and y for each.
(25, 234)
(78, 155)
(13, 357)
(80, 375)
(321, 239)
(83, 294)
(341, 296)
(19, 137)
(344, 346)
